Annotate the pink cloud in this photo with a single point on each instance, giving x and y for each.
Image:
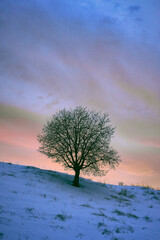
(20, 132)
(152, 142)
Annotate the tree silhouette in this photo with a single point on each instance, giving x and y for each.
(79, 139)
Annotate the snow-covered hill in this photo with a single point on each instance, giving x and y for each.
(43, 205)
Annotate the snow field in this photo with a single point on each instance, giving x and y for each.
(43, 205)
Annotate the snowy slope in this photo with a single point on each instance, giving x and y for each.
(43, 205)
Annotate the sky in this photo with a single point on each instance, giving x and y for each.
(100, 54)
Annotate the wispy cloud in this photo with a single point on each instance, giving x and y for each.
(134, 8)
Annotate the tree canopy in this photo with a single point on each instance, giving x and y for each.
(79, 139)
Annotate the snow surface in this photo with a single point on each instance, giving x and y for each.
(43, 205)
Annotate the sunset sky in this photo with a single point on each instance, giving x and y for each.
(101, 54)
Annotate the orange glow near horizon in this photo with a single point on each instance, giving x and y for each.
(19, 145)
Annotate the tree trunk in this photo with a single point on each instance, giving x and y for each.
(76, 178)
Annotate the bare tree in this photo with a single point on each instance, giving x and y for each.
(80, 140)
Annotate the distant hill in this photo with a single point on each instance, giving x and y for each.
(43, 205)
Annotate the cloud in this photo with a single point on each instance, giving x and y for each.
(51, 104)
(137, 168)
(150, 142)
(134, 8)
(59, 67)
(9, 113)
(57, 54)
(19, 127)
(40, 97)
(65, 59)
